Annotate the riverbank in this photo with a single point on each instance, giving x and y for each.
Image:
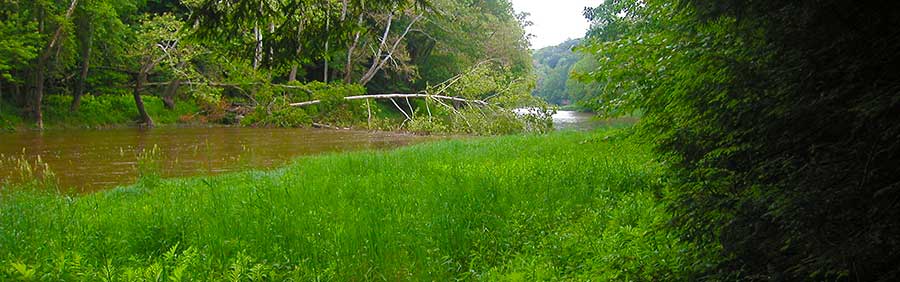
(565, 205)
(107, 111)
(419, 117)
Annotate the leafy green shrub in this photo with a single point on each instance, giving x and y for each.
(779, 120)
(110, 110)
(426, 125)
(281, 117)
(273, 107)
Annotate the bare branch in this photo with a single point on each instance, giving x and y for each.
(379, 62)
(391, 96)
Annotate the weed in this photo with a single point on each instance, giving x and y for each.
(530, 207)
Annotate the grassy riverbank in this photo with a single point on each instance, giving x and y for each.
(519, 208)
(98, 112)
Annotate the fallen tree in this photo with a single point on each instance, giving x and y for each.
(392, 96)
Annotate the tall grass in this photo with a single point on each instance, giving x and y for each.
(520, 208)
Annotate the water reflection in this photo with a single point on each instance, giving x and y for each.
(572, 120)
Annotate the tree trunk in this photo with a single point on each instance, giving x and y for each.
(293, 76)
(387, 29)
(85, 68)
(379, 62)
(327, 33)
(257, 56)
(87, 41)
(168, 98)
(172, 90)
(348, 68)
(257, 32)
(38, 94)
(17, 93)
(41, 66)
(392, 96)
(140, 78)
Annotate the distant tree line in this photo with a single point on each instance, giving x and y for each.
(558, 68)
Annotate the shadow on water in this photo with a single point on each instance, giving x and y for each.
(91, 160)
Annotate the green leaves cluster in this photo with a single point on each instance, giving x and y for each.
(510, 106)
(769, 114)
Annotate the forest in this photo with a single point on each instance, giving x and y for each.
(561, 70)
(766, 145)
(246, 62)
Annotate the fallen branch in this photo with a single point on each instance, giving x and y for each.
(454, 111)
(401, 110)
(391, 96)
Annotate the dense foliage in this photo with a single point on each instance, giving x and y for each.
(780, 121)
(553, 65)
(517, 208)
(560, 70)
(233, 57)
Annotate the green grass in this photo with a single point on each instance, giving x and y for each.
(571, 206)
(97, 112)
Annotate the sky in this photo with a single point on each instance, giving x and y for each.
(555, 20)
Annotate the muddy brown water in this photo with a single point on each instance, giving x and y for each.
(85, 160)
(91, 160)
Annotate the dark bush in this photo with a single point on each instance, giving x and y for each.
(780, 118)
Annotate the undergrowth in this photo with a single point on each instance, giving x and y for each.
(564, 206)
(111, 110)
(97, 112)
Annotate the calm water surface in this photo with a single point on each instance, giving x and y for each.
(572, 120)
(90, 160)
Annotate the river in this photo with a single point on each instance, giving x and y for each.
(85, 160)
(89, 160)
(572, 120)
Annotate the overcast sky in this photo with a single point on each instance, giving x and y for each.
(555, 20)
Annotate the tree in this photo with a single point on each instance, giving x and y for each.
(19, 44)
(776, 120)
(53, 45)
(461, 34)
(160, 41)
